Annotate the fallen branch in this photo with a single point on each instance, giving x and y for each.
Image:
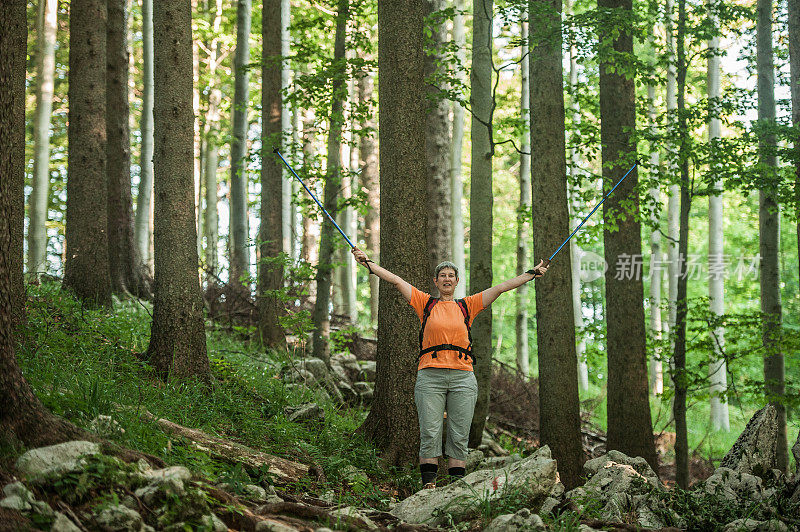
(605, 525)
(231, 451)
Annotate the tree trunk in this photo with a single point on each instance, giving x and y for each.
(239, 249)
(794, 82)
(574, 170)
(144, 199)
(310, 228)
(716, 260)
(177, 338)
(656, 370)
(392, 421)
(332, 181)
(456, 146)
(679, 334)
(769, 229)
(369, 176)
(40, 184)
(124, 263)
(210, 137)
(437, 153)
(270, 268)
(198, 139)
(673, 206)
(86, 271)
(480, 205)
(630, 429)
(286, 126)
(523, 225)
(560, 425)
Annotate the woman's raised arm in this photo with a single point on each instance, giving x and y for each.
(383, 273)
(490, 294)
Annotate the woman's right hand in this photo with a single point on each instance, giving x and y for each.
(360, 256)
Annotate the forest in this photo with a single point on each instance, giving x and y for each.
(188, 343)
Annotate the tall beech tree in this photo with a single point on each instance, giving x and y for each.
(368, 153)
(437, 148)
(560, 424)
(321, 314)
(717, 370)
(239, 249)
(392, 421)
(210, 163)
(769, 227)
(681, 304)
(630, 428)
(177, 337)
(86, 271)
(126, 270)
(481, 202)
(523, 223)
(40, 184)
(456, 151)
(144, 198)
(270, 268)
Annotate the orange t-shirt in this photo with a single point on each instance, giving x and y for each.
(445, 325)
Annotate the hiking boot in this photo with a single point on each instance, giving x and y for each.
(429, 486)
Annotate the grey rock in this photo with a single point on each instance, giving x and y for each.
(339, 373)
(106, 426)
(522, 520)
(734, 485)
(317, 368)
(56, 459)
(533, 478)
(349, 395)
(15, 502)
(751, 525)
(42, 508)
(305, 412)
(118, 518)
(214, 523)
(499, 462)
(255, 492)
(348, 362)
(363, 388)
(367, 368)
(176, 472)
(350, 511)
(160, 488)
(270, 525)
(548, 505)
(19, 489)
(755, 450)
(300, 375)
(474, 458)
(620, 483)
(558, 491)
(62, 523)
(491, 447)
(323, 529)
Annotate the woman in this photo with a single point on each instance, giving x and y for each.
(445, 379)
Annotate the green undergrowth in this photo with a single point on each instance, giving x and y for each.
(83, 363)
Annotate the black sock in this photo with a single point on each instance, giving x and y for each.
(457, 472)
(428, 472)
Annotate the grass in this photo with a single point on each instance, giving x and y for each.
(83, 363)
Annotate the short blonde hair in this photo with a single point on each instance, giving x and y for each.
(445, 264)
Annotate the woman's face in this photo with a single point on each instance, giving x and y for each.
(446, 281)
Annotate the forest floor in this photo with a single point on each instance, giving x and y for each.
(85, 363)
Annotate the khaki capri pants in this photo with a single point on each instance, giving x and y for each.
(437, 390)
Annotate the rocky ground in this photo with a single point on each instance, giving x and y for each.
(75, 487)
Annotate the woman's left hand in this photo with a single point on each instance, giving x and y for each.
(539, 270)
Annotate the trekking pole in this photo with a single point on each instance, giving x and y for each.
(275, 151)
(547, 261)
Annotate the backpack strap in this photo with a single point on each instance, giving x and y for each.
(426, 312)
(462, 304)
